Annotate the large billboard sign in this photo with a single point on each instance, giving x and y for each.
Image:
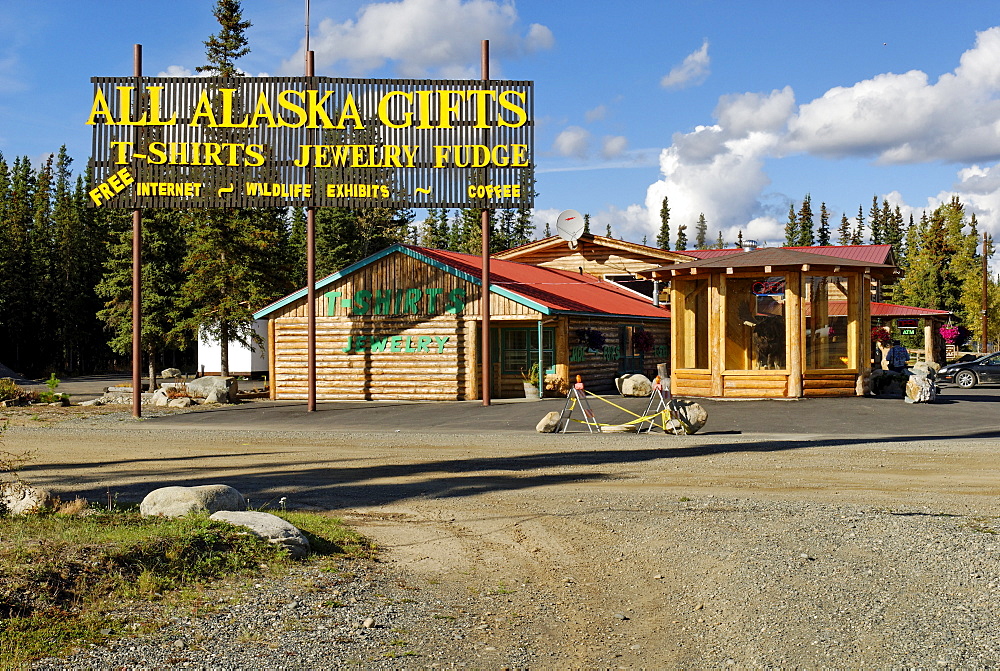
(193, 142)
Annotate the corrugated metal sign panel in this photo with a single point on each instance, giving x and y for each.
(193, 142)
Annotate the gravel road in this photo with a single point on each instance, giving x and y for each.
(513, 550)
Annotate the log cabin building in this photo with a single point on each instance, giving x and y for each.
(773, 322)
(404, 324)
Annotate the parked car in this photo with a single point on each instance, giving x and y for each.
(968, 374)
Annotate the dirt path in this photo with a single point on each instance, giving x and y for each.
(603, 551)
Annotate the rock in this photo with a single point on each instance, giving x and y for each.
(181, 402)
(549, 423)
(920, 390)
(217, 396)
(270, 527)
(691, 416)
(634, 385)
(925, 369)
(223, 389)
(180, 501)
(93, 402)
(160, 398)
(170, 372)
(17, 498)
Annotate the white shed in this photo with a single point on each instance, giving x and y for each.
(242, 360)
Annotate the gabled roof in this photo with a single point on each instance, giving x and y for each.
(514, 253)
(881, 254)
(774, 257)
(547, 290)
(893, 310)
(886, 310)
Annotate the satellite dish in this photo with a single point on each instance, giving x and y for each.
(569, 226)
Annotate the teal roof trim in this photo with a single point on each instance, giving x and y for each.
(329, 279)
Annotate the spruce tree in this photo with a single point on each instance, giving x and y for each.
(230, 43)
(844, 232)
(791, 227)
(858, 236)
(682, 238)
(805, 223)
(720, 243)
(607, 230)
(876, 223)
(701, 232)
(586, 224)
(663, 237)
(823, 237)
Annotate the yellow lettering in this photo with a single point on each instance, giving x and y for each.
(154, 108)
(227, 111)
(441, 154)
(350, 111)
(100, 108)
(297, 110)
(383, 109)
(480, 99)
(262, 110)
(448, 107)
(316, 109)
(520, 116)
(203, 111)
(254, 155)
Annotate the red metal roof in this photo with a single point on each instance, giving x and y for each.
(881, 254)
(557, 290)
(886, 310)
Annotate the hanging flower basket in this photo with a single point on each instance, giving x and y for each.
(880, 334)
(950, 333)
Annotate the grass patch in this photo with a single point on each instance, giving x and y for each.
(61, 574)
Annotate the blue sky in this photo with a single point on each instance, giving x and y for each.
(734, 109)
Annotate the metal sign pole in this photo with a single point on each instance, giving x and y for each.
(485, 226)
(311, 275)
(137, 278)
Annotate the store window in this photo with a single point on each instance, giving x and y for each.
(631, 339)
(755, 323)
(690, 314)
(519, 349)
(825, 299)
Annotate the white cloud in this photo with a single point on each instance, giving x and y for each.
(906, 119)
(891, 118)
(613, 146)
(599, 113)
(574, 141)
(691, 72)
(422, 38)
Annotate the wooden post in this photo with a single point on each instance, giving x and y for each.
(716, 331)
(795, 323)
(985, 324)
(272, 350)
(136, 276)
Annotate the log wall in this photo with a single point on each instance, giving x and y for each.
(440, 365)
(829, 384)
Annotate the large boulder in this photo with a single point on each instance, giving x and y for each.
(920, 389)
(925, 369)
(689, 417)
(170, 372)
(549, 423)
(212, 388)
(17, 498)
(180, 501)
(270, 527)
(635, 385)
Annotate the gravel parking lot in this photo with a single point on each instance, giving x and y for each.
(841, 534)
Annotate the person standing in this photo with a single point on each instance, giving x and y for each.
(897, 357)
